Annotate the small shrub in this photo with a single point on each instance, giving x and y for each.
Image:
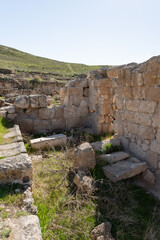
(109, 148)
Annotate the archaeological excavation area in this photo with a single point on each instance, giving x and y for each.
(81, 156)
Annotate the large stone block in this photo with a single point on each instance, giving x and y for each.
(153, 94)
(22, 101)
(132, 105)
(42, 101)
(146, 132)
(34, 101)
(47, 113)
(147, 107)
(84, 157)
(59, 112)
(142, 118)
(156, 120)
(125, 169)
(49, 141)
(155, 147)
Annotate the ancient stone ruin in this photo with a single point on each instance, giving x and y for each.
(123, 100)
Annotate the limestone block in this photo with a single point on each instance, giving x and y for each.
(118, 126)
(103, 90)
(84, 182)
(158, 135)
(138, 92)
(14, 134)
(63, 92)
(142, 118)
(152, 159)
(119, 103)
(34, 101)
(105, 108)
(155, 147)
(125, 169)
(24, 228)
(16, 169)
(83, 112)
(102, 232)
(132, 128)
(114, 157)
(47, 113)
(128, 115)
(84, 157)
(32, 113)
(149, 177)
(145, 147)
(12, 149)
(73, 122)
(103, 82)
(26, 124)
(132, 105)
(22, 101)
(100, 144)
(59, 123)
(59, 112)
(119, 92)
(156, 120)
(127, 92)
(108, 119)
(145, 132)
(78, 91)
(84, 103)
(42, 101)
(136, 150)
(147, 106)
(70, 112)
(49, 141)
(153, 94)
(139, 79)
(42, 126)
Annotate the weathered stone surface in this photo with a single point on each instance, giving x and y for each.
(132, 105)
(155, 147)
(12, 149)
(22, 101)
(149, 177)
(125, 169)
(49, 141)
(14, 134)
(16, 169)
(34, 101)
(24, 228)
(114, 157)
(147, 107)
(84, 157)
(153, 94)
(84, 182)
(46, 113)
(102, 232)
(152, 159)
(100, 145)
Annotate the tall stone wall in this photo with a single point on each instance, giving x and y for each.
(137, 118)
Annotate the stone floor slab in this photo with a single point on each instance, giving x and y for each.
(14, 134)
(124, 169)
(114, 157)
(49, 141)
(12, 149)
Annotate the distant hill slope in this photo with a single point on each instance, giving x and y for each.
(15, 59)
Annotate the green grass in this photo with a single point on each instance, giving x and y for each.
(15, 59)
(5, 233)
(66, 213)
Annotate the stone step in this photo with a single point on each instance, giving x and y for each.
(14, 134)
(100, 144)
(49, 141)
(7, 150)
(124, 169)
(16, 169)
(114, 157)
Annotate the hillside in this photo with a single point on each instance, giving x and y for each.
(15, 59)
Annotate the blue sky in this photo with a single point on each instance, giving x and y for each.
(83, 31)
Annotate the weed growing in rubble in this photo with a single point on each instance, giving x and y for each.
(66, 213)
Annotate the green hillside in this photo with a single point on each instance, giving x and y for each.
(15, 59)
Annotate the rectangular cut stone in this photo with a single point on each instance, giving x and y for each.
(16, 169)
(114, 157)
(125, 169)
(142, 118)
(132, 105)
(147, 107)
(49, 141)
(145, 132)
(14, 134)
(12, 149)
(155, 147)
(153, 94)
(100, 144)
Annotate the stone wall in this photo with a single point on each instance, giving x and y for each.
(137, 118)
(11, 88)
